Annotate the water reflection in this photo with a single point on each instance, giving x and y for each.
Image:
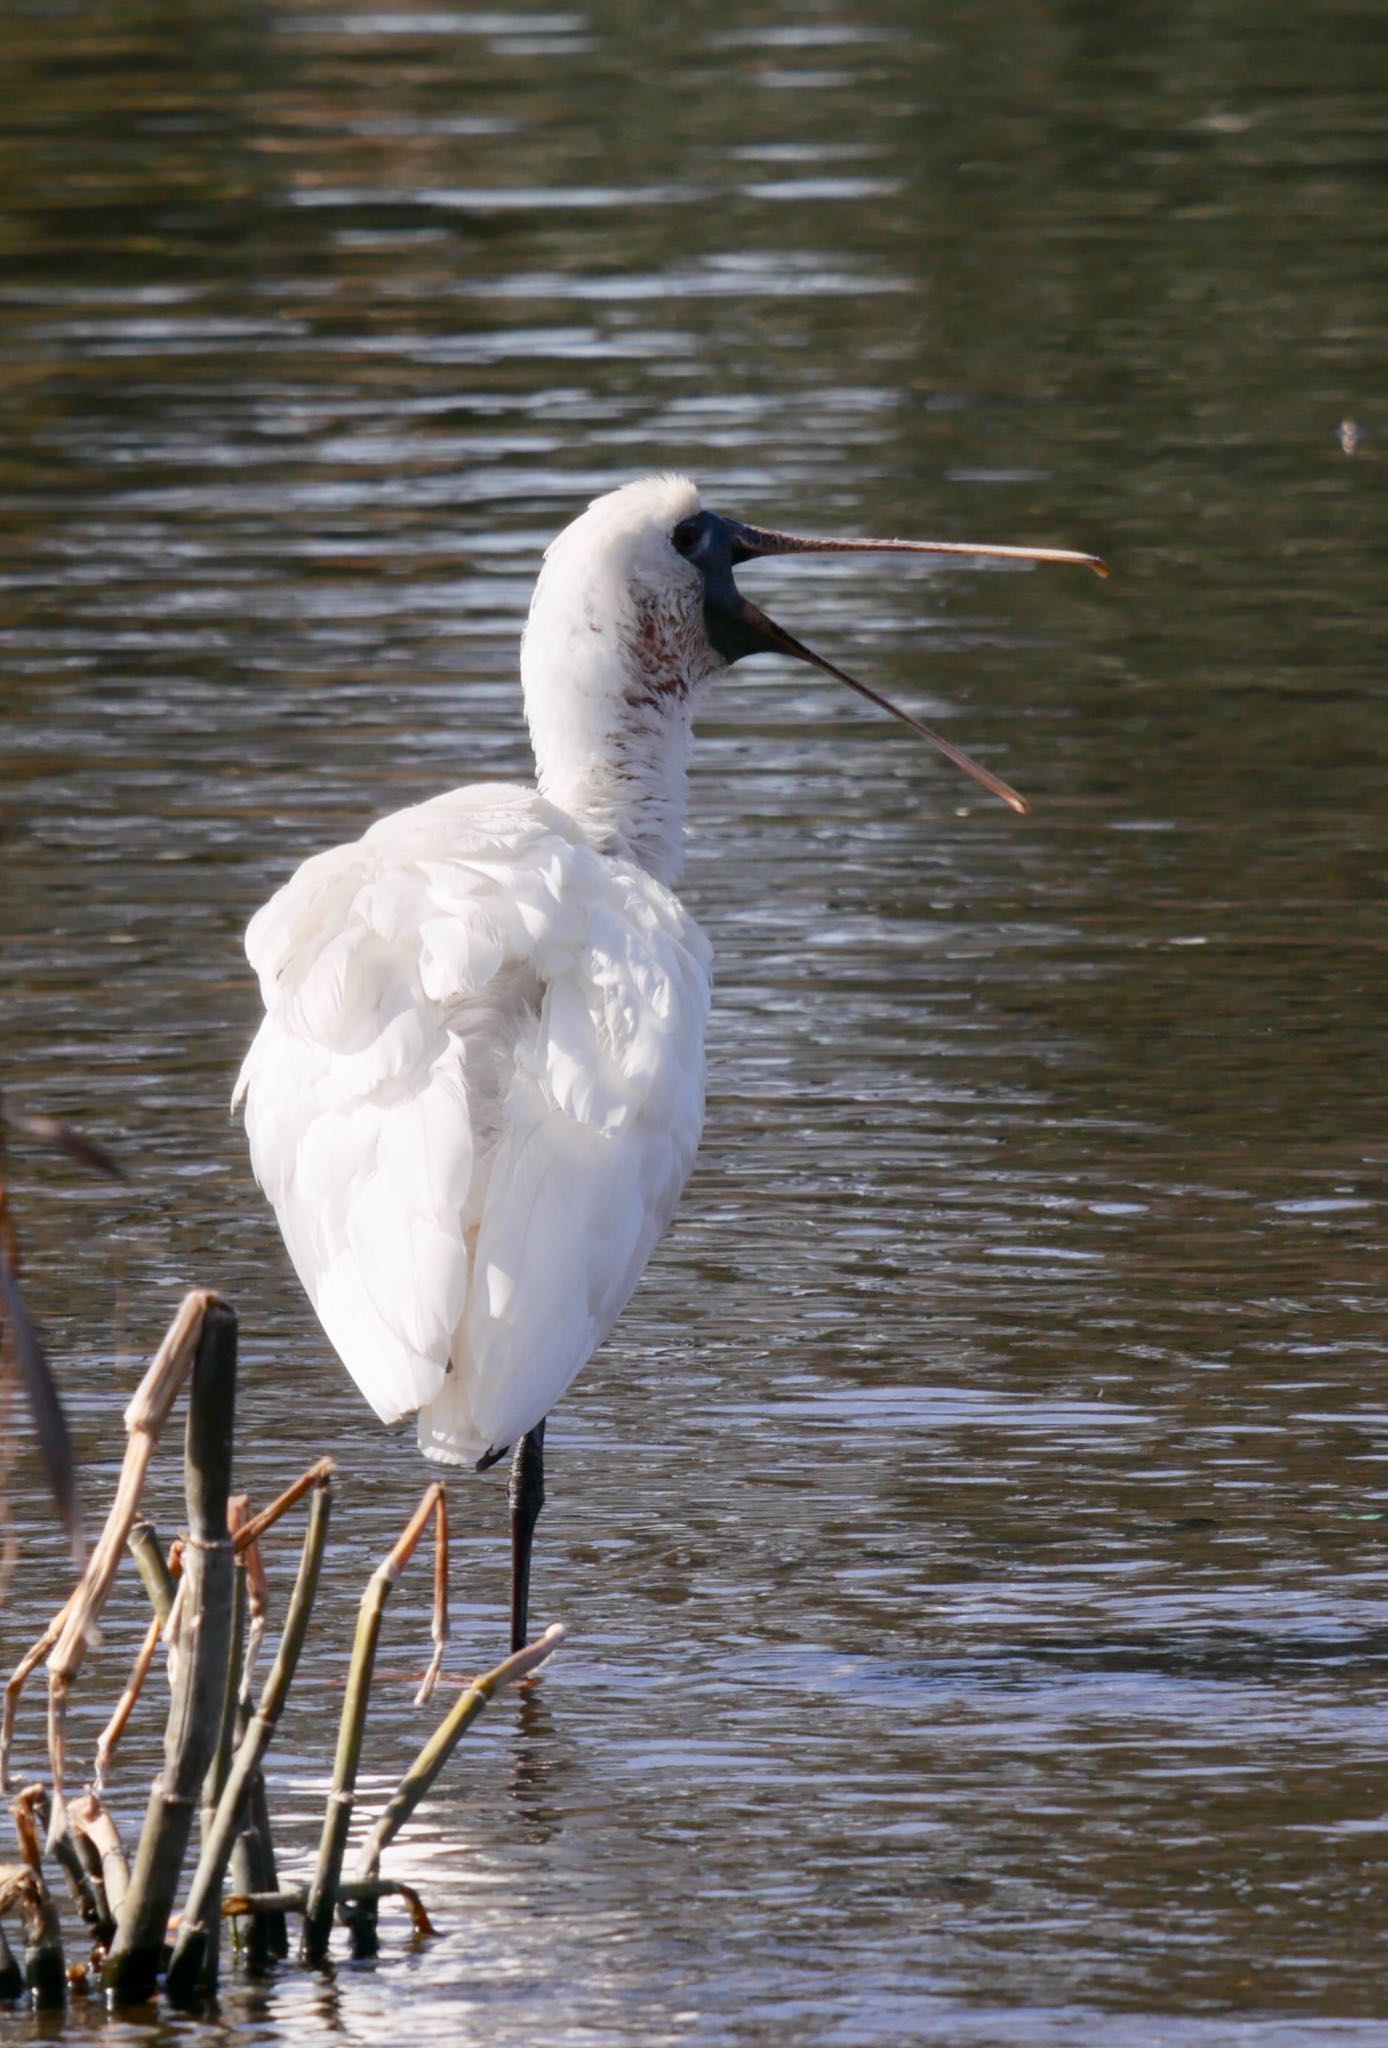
(971, 1539)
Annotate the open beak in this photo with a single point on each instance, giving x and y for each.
(737, 627)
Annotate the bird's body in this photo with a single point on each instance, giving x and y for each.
(478, 1088)
(474, 1101)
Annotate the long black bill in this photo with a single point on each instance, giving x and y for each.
(737, 627)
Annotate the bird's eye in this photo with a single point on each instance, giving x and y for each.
(687, 535)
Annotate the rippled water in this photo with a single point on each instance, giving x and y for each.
(971, 1540)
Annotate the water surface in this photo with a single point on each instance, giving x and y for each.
(971, 1539)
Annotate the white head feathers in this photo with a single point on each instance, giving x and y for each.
(614, 654)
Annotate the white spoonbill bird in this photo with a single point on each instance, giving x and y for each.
(478, 1089)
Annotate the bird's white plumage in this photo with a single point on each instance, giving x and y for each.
(474, 1101)
(478, 1089)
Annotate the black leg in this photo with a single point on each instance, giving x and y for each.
(526, 1493)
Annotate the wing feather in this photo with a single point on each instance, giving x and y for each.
(473, 1102)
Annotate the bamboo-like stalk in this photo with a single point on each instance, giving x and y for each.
(30, 1811)
(161, 1583)
(45, 1973)
(252, 1869)
(194, 1958)
(215, 1780)
(94, 1824)
(416, 1782)
(72, 1626)
(11, 1976)
(257, 1906)
(184, 1343)
(159, 1574)
(198, 1636)
(322, 1898)
(144, 1422)
(471, 1701)
(81, 1883)
(251, 1531)
(125, 1705)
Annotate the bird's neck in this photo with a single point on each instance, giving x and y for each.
(627, 788)
(609, 699)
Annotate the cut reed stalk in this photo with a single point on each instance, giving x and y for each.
(260, 1843)
(257, 1906)
(215, 1781)
(198, 1637)
(75, 1626)
(159, 1574)
(11, 1976)
(45, 1973)
(252, 1867)
(90, 1858)
(194, 1957)
(92, 1822)
(471, 1701)
(322, 1898)
(416, 1782)
(31, 1818)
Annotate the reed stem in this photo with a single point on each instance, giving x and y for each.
(194, 1957)
(322, 1897)
(215, 1781)
(11, 1976)
(154, 1568)
(415, 1784)
(184, 1341)
(253, 1869)
(95, 1826)
(45, 1973)
(471, 1701)
(198, 1638)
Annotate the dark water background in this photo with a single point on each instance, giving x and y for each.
(972, 1539)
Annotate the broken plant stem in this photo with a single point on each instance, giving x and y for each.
(94, 1824)
(471, 1701)
(252, 1530)
(193, 1961)
(318, 1916)
(198, 1639)
(31, 1818)
(144, 1421)
(11, 1976)
(125, 1705)
(45, 1974)
(158, 1573)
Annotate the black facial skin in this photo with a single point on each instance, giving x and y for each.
(736, 627)
(716, 546)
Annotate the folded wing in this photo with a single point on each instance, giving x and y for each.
(473, 1102)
